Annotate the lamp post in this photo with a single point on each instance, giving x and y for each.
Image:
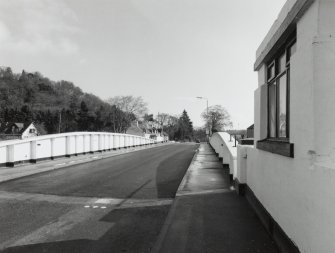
(208, 130)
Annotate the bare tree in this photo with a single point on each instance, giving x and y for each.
(162, 119)
(172, 120)
(130, 104)
(217, 117)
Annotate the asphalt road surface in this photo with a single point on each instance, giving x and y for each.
(118, 204)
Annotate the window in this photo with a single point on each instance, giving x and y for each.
(32, 131)
(278, 84)
(278, 94)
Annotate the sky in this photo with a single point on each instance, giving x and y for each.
(167, 51)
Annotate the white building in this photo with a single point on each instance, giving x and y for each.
(289, 174)
(14, 130)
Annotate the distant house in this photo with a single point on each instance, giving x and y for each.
(154, 130)
(250, 131)
(237, 134)
(134, 129)
(14, 130)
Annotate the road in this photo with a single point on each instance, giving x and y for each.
(117, 204)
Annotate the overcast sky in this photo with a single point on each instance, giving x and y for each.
(167, 51)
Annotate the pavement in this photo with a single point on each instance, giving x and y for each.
(209, 216)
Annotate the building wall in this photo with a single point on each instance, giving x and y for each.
(282, 15)
(299, 192)
(27, 134)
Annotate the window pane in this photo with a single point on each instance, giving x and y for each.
(271, 71)
(282, 107)
(282, 63)
(272, 110)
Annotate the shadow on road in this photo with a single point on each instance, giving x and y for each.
(135, 230)
(170, 173)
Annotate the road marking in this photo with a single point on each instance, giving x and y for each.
(36, 197)
(135, 203)
(86, 202)
(95, 207)
(109, 201)
(60, 164)
(95, 157)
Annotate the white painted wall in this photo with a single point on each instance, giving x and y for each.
(79, 144)
(299, 192)
(224, 146)
(260, 113)
(94, 142)
(116, 141)
(3, 155)
(54, 145)
(87, 141)
(43, 148)
(59, 146)
(21, 151)
(70, 145)
(241, 168)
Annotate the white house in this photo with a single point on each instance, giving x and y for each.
(289, 173)
(14, 130)
(29, 131)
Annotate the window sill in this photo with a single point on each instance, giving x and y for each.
(278, 147)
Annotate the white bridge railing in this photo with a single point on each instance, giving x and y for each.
(66, 144)
(224, 146)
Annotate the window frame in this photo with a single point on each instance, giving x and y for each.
(274, 80)
(279, 145)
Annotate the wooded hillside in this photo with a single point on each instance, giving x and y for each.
(58, 106)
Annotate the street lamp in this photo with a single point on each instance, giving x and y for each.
(208, 123)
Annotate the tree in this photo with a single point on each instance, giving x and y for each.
(217, 117)
(185, 127)
(84, 119)
(148, 117)
(130, 104)
(199, 134)
(163, 118)
(6, 73)
(120, 120)
(33, 97)
(172, 127)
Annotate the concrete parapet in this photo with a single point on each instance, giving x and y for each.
(67, 144)
(223, 145)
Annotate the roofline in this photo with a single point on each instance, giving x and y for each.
(283, 32)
